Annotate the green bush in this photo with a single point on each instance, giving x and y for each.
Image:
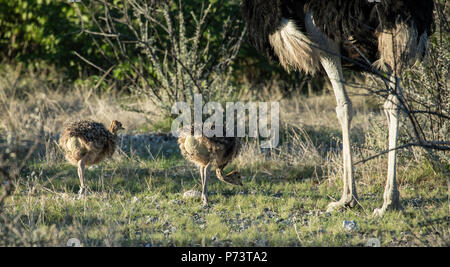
(50, 31)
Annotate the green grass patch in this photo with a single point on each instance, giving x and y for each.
(139, 202)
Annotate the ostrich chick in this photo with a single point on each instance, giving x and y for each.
(207, 151)
(87, 143)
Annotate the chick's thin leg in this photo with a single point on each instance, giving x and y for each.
(206, 174)
(81, 165)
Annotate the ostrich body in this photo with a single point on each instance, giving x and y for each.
(208, 151)
(87, 143)
(315, 35)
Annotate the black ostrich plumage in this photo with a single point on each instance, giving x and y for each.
(340, 21)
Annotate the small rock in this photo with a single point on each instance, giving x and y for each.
(151, 220)
(350, 225)
(134, 199)
(373, 242)
(192, 194)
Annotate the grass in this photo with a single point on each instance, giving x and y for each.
(137, 199)
(138, 203)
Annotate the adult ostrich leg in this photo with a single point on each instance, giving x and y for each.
(391, 195)
(329, 56)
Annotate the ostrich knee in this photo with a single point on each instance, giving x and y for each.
(344, 112)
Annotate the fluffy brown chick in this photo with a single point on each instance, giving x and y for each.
(87, 143)
(207, 151)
